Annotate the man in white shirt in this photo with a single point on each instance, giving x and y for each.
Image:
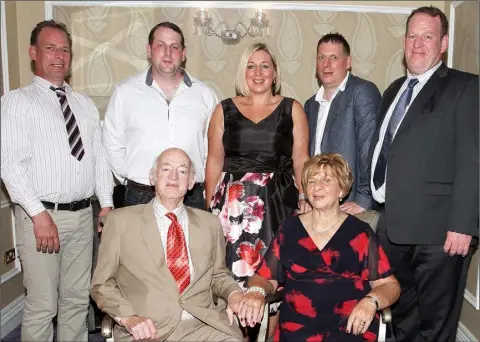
(424, 174)
(341, 116)
(156, 109)
(159, 280)
(52, 163)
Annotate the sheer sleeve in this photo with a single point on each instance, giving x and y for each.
(271, 267)
(377, 261)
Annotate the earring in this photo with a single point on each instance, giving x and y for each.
(274, 85)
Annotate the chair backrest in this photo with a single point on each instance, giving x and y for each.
(371, 217)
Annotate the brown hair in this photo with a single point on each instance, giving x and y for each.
(337, 165)
(433, 12)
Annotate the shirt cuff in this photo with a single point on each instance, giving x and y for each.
(33, 207)
(105, 200)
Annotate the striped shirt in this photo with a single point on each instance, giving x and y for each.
(36, 161)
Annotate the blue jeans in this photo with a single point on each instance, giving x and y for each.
(194, 198)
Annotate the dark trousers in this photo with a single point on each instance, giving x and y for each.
(432, 287)
(194, 198)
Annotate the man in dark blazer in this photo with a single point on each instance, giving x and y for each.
(342, 115)
(428, 185)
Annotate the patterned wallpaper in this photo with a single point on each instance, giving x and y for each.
(109, 45)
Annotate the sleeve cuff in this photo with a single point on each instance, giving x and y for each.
(105, 200)
(33, 207)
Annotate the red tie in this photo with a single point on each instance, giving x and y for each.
(177, 255)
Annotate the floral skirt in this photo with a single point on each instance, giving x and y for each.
(248, 207)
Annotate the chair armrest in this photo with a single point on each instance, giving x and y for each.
(274, 297)
(386, 315)
(107, 326)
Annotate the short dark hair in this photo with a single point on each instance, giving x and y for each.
(52, 24)
(335, 38)
(433, 12)
(169, 25)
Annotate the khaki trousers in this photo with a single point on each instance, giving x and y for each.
(57, 284)
(195, 330)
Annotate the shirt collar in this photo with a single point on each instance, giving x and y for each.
(187, 79)
(45, 85)
(341, 87)
(423, 78)
(160, 211)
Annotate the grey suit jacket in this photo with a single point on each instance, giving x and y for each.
(132, 278)
(351, 124)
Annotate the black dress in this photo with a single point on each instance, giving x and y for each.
(256, 191)
(321, 288)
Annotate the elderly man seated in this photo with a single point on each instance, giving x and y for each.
(160, 265)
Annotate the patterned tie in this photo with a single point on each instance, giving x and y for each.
(74, 138)
(395, 119)
(177, 255)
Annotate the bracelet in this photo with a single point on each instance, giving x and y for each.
(257, 289)
(373, 300)
(302, 197)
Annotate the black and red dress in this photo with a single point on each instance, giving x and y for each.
(321, 287)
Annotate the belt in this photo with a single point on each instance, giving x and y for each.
(134, 185)
(73, 206)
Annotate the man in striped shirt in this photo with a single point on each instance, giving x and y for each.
(52, 163)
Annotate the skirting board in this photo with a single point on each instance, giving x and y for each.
(12, 315)
(464, 335)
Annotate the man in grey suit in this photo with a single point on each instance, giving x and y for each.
(342, 116)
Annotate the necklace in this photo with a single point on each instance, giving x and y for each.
(321, 231)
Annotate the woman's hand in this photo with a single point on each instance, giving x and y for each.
(361, 317)
(251, 309)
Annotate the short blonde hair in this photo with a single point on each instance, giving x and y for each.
(336, 164)
(241, 86)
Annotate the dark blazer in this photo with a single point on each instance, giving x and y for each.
(349, 130)
(432, 179)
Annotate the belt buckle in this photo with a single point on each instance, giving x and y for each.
(73, 206)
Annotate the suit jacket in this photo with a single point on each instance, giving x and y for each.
(132, 278)
(349, 130)
(432, 179)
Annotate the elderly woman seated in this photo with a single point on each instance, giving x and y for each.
(335, 273)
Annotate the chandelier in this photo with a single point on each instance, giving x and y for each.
(203, 25)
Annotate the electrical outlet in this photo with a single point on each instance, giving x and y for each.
(9, 256)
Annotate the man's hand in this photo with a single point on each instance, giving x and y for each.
(46, 233)
(303, 207)
(233, 305)
(140, 328)
(351, 208)
(101, 218)
(457, 243)
(251, 310)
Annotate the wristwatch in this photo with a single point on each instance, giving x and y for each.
(373, 300)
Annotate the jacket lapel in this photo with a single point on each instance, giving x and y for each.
(422, 98)
(312, 114)
(195, 246)
(151, 235)
(333, 114)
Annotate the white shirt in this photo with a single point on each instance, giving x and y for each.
(323, 112)
(163, 223)
(36, 161)
(140, 123)
(379, 194)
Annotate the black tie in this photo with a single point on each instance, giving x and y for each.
(73, 133)
(395, 119)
